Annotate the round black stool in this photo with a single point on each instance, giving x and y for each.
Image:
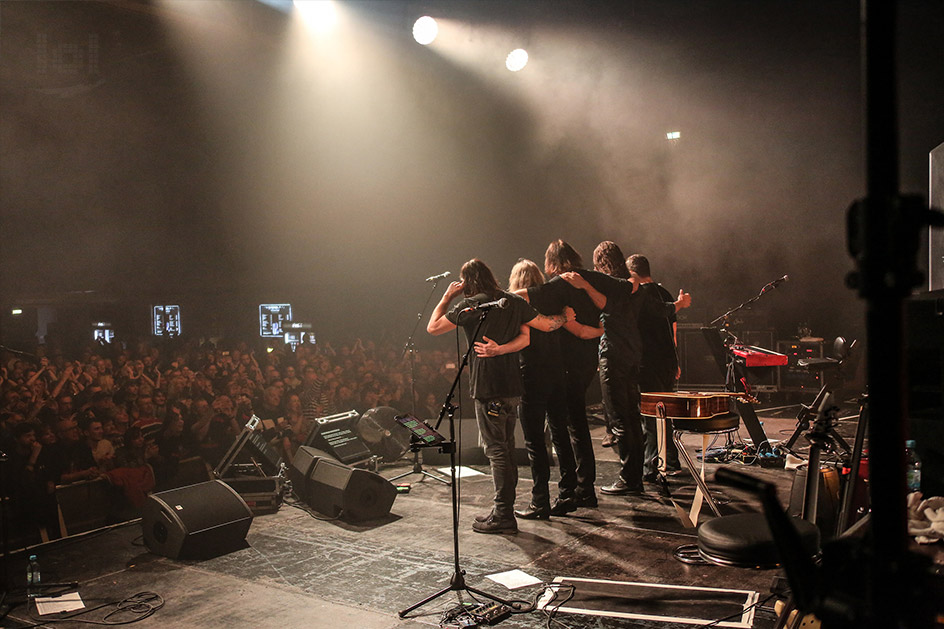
(744, 541)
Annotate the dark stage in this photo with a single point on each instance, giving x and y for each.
(300, 571)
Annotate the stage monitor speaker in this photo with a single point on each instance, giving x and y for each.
(338, 490)
(300, 471)
(195, 522)
(383, 435)
(335, 435)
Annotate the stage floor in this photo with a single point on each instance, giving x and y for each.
(299, 571)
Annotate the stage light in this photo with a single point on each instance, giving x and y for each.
(425, 30)
(517, 59)
(673, 135)
(320, 15)
(16, 311)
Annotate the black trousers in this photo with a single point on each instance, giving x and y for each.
(579, 373)
(620, 384)
(544, 401)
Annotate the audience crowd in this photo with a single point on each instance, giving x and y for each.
(129, 414)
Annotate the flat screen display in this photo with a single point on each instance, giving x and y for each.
(272, 318)
(165, 320)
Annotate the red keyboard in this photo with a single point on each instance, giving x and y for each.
(758, 356)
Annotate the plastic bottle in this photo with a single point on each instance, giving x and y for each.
(912, 467)
(33, 576)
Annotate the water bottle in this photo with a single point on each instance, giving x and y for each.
(33, 576)
(912, 467)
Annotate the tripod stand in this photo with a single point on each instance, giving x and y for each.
(837, 367)
(415, 447)
(457, 581)
(415, 444)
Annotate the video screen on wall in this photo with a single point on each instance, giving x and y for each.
(103, 335)
(272, 318)
(165, 320)
(299, 337)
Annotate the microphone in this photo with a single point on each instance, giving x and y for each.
(777, 282)
(488, 305)
(436, 278)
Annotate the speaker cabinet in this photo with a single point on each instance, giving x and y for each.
(195, 522)
(300, 471)
(338, 490)
(335, 435)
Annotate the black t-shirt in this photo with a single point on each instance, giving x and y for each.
(543, 353)
(497, 376)
(621, 341)
(655, 329)
(556, 294)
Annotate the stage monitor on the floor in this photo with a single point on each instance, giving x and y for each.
(338, 490)
(300, 471)
(195, 522)
(379, 430)
(335, 435)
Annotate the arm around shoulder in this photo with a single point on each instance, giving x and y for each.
(438, 323)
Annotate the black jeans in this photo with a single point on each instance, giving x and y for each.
(620, 384)
(496, 421)
(650, 381)
(543, 399)
(578, 375)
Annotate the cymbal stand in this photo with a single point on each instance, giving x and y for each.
(457, 582)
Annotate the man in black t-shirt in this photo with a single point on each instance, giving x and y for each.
(495, 377)
(660, 367)
(570, 431)
(621, 355)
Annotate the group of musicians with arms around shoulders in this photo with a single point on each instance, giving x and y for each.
(536, 353)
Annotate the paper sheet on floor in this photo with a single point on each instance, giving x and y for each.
(57, 604)
(513, 579)
(461, 471)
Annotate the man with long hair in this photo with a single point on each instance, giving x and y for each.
(621, 355)
(570, 431)
(544, 398)
(494, 374)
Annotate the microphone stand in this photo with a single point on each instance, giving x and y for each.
(766, 288)
(732, 378)
(415, 445)
(457, 582)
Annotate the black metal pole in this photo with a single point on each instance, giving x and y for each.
(457, 581)
(884, 283)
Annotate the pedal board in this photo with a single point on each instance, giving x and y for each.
(490, 613)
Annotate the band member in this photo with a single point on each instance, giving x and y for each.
(659, 370)
(621, 355)
(544, 397)
(494, 373)
(578, 350)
